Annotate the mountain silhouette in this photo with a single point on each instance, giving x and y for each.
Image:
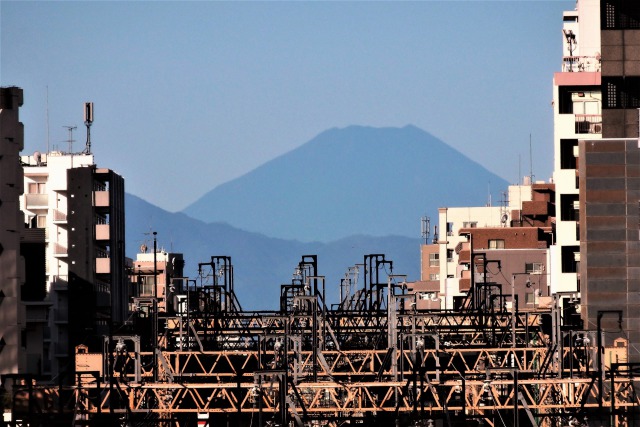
(261, 263)
(351, 181)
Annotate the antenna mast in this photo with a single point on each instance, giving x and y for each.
(426, 225)
(47, 119)
(88, 120)
(530, 161)
(70, 140)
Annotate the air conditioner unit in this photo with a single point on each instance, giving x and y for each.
(595, 128)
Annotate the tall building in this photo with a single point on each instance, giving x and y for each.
(609, 180)
(12, 360)
(620, 35)
(597, 167)
(610, 238)
(80, 210)
(577, 115)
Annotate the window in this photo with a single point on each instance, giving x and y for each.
(496, 243)
(434, 260)
(449, 255)
(470, 224)
(534, 267)
(449, 229)
(145, 285)
(619, 14)
(621, 92)
(567, 156)
(570, 259)
(568, 205)
(530, 298)
(37, 187)
(434, 276)
(41, 221)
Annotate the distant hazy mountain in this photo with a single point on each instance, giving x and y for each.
(261, 263)
(351, 181)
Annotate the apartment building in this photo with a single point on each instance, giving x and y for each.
(577, 115)
(12, 315)
(75, 213)
(596, 167)
(514, 236)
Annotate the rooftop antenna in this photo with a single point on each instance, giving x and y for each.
(70, 140)
(426, 225)
(88, 120)
(571, 39)
(489, 192)
(520, 178)
(530, 162)
(47, 119)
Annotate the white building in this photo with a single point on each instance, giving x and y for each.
(451, 221)
(577, 115)
(44, 204)
(76, 279)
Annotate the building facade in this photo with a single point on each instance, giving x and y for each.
(517, 232)
(610, 238)
(577, 115)
(75, 213)
(12, 315)
(597, 165)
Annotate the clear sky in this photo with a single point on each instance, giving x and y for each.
(189, 95)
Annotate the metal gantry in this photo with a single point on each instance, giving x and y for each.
(372, 359)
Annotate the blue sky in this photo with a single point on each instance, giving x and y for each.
(189, 95)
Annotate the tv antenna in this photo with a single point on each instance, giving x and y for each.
(88, 120)
(70, 129)
(571, 39)
(425, 222)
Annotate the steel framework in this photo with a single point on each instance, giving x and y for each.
(372, 359)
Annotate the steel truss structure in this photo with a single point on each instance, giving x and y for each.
(372, 359)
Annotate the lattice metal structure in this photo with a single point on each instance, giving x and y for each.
(370, 360)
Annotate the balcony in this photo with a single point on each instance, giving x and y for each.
(101, 199)
(59, 217)
(578, 64)
(464, 284)
(536, 208)
(60, 283)
(103, 265)
(102, 232)
(61, 350)
(60, 250)
(37, 311)
(61, 316)
(36, 201)
(588, 123)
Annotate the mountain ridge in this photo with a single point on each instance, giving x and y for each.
(261, 263)
(348, 181)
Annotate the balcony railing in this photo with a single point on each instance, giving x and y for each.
(101, 199)
(59, 216)
(589, 123)
(37, 201)
(102, 232)
(61, 316)
(576, 64)
(59, 250)
(60, 283)
(37, 314)
(103, 265)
